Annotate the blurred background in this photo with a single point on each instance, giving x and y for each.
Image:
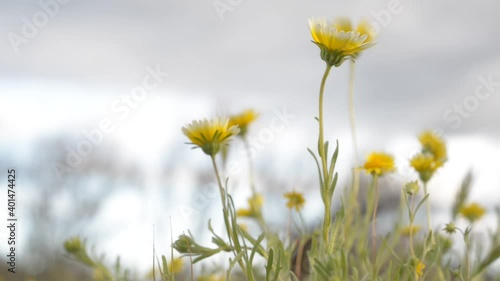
(93, 95)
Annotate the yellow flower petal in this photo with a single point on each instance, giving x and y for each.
(242, 120)
(472, 212)
(338, 40)
(419, 269)
(433, 144)
(209, 135)
(379, 163)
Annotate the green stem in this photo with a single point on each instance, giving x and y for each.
(321, 147)
(353, 200)
(352, 122)
(428, 208)
(221, 188)
(412, 218)
(374, 223)
(259, 217)
(467, 256)
(250, 166)
(225, 212)
(352, 115)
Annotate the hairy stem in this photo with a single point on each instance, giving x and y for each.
(428, 208)
(326, 178)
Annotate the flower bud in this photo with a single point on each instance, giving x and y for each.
(412, 188)
(450, 227)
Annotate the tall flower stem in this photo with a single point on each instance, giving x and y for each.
(412, 218)
(225, 212)
(221, 188)
(250, 166)
(352, 122)
(467, 252)
(353, 205)
(321, 148)
(428, 208)
(374, 221)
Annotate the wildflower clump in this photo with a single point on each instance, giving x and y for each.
(340, 248)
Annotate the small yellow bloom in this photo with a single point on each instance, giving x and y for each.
(338, 40)
(176, 265)
(432, 157)
(244, 213)
(434, 144)
(405, 231)
(379, 163)
(295, 200)
(209, 135)
(419, 269)
(472, 212)
(255, 205)
(425, 164)
(242, 120)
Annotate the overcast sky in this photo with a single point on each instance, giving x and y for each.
(63, 72)
(256, 53)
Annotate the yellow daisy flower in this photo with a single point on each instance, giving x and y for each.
(209, 135)
(472, 212)
(432, 157)
(338, 40)
(405, 231)
(434, 144)
(176, 265)
(379, 163)
(295, 200)
(425, 164)
(242, 120)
